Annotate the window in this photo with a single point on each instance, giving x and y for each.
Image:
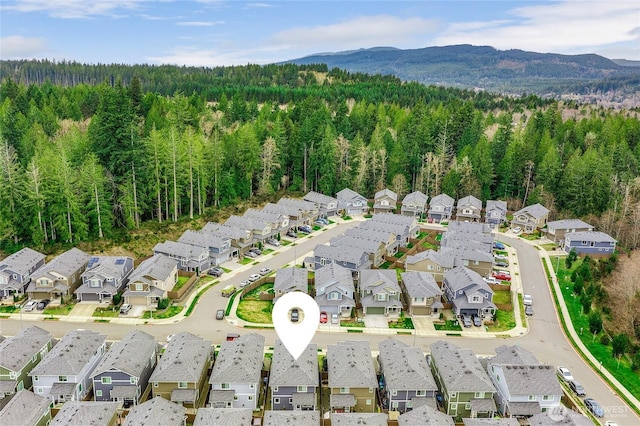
(290, 400)
(107, 381)
(467, 406)
(182, 385)
(250, 398)
(532, 398)
(276, 400)
(394, 392)
(251, 386)
(13, 375)
(302, 388)
(275, 389)
(430, 267)
(547, 397)
(80, 388)
(419, 299)
(370, 390)
(475, 299)
(344, 390)
(381, 297)
(224, 385)
(453, 394)
(479, 394)
(155, 384)
(98, 392)
(394, 404)
(368, 402)
(39, 389)
(421, 393)
(133, 380)
(139, 287)
(62, 378)
(235, 397)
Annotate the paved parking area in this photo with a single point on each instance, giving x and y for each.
(423, 324)
(84, 309)
(376, 321)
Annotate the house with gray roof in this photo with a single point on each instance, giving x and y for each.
(290, 279)
(219, 248)
(414, 204)
(223, 417)
(180, 375)
(378, 234)
(190, 258)
(335, 290)
(64, 374)
(351, 203)
(310, 211)
(359, 419)
(294, 383)
(530, 218)
(158, 412)
(490, 422)
(104, 277)
(26, 409)
(592, 243)
(385, 201)
(19, 355)
(87, 413)
(241, 239)
(495, 213)
(60, 277)
(469, 209)
(380, 292)
(473, 256)
(430, 261)
(279, 221)
(123, 373)
(261, 229)
(292, 418)
(405, 373)
(557, 229)
(236, 376)
(151, 281)
(326, 205)
(16, 270)
(352, 377)
(422, 294)
(375, 249)
(468, 292)
(405, 227)
(440, 208)
(296, 216)
(345, 256)
(464, 384)
(560, 416)
(524, 386)
(425, 416)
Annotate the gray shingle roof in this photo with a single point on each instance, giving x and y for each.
(350, 365)
(416, 198)
(158, 412)
(305, 206)
(291, 279)
(425, 416)
(442, 199)
(24, 409)
(536, 210)
(559, 416)
(379, 281)
(286, 371)
(247, 223)
(293, 418)
(515, 355)
(437, 257)
(358, 243)
(420, 284)
(316, 197)
(22, 261)
(405, 367)
(497, 205)
(181, 250)
(596, 236)
(568, 224)
(491, 422)
(184, 359)
(469, 200)
(393, 219)
(339, 253)
(359, 419)
(93, 413)
(226, 231)
(157, 267)
(223, 417)
(239, 361)
(531, 380)
(386, 193)
(201, 239)
(348, 194)
(71, 354)
(16, 352)
(66, 264)
(459, 369)
(378, 235)
(106, 267)
(461, 277)
(130, 355)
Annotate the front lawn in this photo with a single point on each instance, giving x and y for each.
(351, 323)
(405, 323)
(505, 320)
(246, 261)
(171, 311)
(109, 312)
(59, 310)
(255, 311)
(549, 246)
(8, 309)
(450, 325)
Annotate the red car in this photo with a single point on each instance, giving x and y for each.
(323, 317)
(501, 276)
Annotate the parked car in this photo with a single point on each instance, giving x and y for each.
(593, 406)
(501, 275)
(216, 272)
(477, 321)
(125, 308)
(500, 256)
(577, 388)
(265, 271)
(528, 310)
(565, 374)
(295, 315)
(254, 277)
(220, 314)
(169, 337)
(466, 320)
(42, 304)
(292, 234)
(323, 317)
(30, 305)
(517, 230)
(527, 299)
(232, 336)
(498, 245)
(273, 242)
(251, 254)
(256, 250)
(335, 319)
(318, 223)
(491, 280)
(244, 283)
(501, 264)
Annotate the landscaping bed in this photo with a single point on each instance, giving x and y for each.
(449, 325)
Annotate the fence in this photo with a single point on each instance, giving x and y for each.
(177, 295)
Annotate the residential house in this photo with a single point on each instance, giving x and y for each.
(290, 279)
(351, 203)
(123, 373)
(385, 201)
(422, 293)
(335, 290)
(326, 205)
(190, 258)
(495, 213)
(380, 292)
(466, 388)
(260, 229)
(524, 386)
(530, 218)
(219, 248)
(297, 418)
(236, 376)
(358, 419)
(279, 221)
(560, 416)
(593, 243)
(468, 292)
(87, 413)
(473, 256)
(379, 235)
(352, 377)
(433, 262)
(375, 249)
(223, 417)
(414, 204)
(16, 270)
(151, 280)
(425, 416)
(60, 277)
(404, 227)
(64, 374)
(440, 208)
(157, 411)
(295, 215)
(490, 422)
(19, 355)
(26, 409)
(104, 277)
(345, 256)
(310, 211)
(469, 209)
(181, 373)
(294, 383)
(557, 229)
(406, 375)
(241, 239)
(461, 234)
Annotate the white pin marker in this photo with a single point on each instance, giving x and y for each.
(294, 333)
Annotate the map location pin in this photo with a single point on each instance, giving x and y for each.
(295, 317)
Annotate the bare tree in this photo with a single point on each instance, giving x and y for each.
(269, 164)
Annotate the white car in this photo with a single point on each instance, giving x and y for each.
(265, 271)
(565, 374)
(491, 280)
(254, 277)
(517, 230)
(30, 305)
(527, 299)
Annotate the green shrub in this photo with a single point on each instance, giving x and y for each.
(163, 304)
(117, 298)
(605, 340)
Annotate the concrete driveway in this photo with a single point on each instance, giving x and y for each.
(84, 309)
(376, 321)
(424, 325)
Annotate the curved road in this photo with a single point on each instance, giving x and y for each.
(545, 337)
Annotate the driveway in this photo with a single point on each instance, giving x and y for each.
(84, 309)
(376, 321)
(424, 325)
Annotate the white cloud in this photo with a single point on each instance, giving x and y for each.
(70, 9)
(258, 6)
(562, 27)
(19, 47)
(199, 23)
(206, 57)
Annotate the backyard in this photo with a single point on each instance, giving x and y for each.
(505, 320)
(252, 309)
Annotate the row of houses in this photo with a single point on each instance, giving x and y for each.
(400, 378)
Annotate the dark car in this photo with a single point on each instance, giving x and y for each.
(528, 310)
(42, 304)
(498, 245)
(466, 320)
(477, 321)
(220, 314)
(295, 315)
(256, 250)
(502, 264)
(292, 234)
(593, 406)
(216, 272)
(577, 388)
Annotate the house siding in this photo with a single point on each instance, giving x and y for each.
(362, 395)
(285, 393)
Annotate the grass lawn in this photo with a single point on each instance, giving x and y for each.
(501, 297)
(246, 261)
(171, 311)
(181, 282)
(421, 235)
(59, 310)
(267, 251)
(385, 265)
(351, 323)
(505, 320)
(110, 312)
(428, 245)
(256, 311)
(450, 325)
(405, 323)
(398, 255)
(522, 314)
(548, 246)
(285, 242)
(255, 293)
(8, 309)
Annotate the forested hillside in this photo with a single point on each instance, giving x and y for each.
(104, 147)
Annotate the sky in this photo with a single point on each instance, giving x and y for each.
(235, 32)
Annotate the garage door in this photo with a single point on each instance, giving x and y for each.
(90, 297)
(376, 310)
(421, 310)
